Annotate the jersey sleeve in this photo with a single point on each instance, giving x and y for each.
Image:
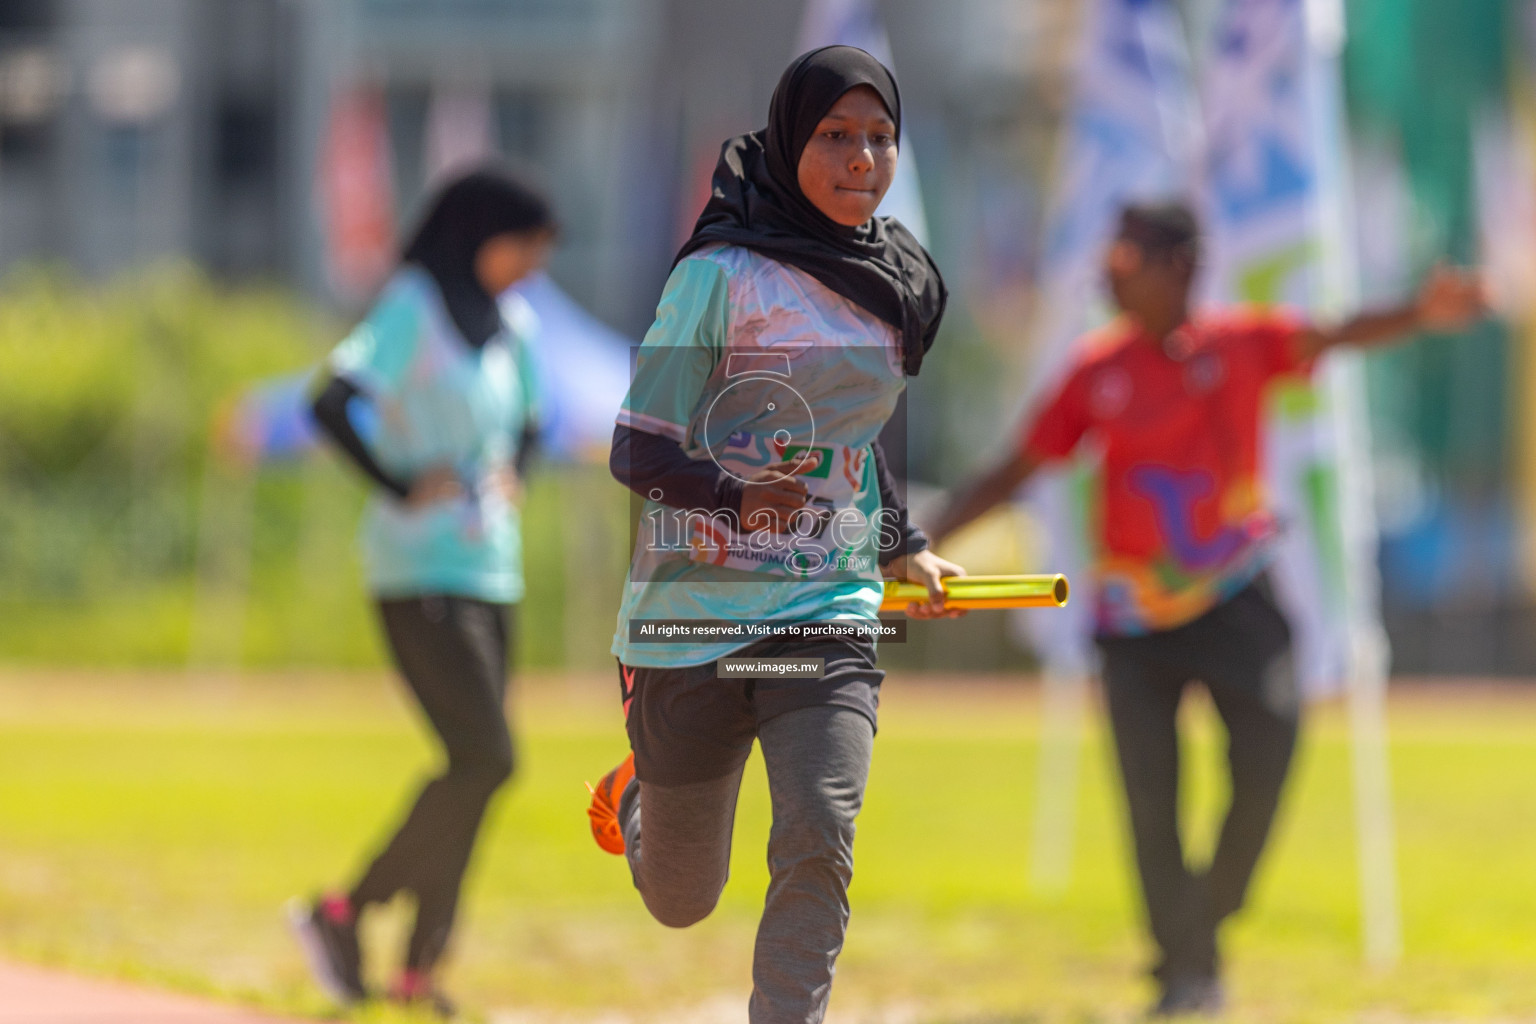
(1274, 335)
(376, 355)
(1056, 426)
(679, 352)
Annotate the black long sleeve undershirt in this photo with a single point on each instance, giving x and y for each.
(527, 449)
(657, 467)
(649, 464)
(909, 538)
(330, 408)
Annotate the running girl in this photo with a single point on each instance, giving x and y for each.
(780, 347)
(445, 377)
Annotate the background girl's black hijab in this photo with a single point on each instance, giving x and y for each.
(468, 212)
(755, 202)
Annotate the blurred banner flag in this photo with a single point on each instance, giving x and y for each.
(459, 131)
(582, 366)
(356, 194)
(1504, 159)
(1277, 231)
(1130, 137)
(857, 23)
(1277, 216)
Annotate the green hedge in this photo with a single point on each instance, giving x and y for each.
(124, 541)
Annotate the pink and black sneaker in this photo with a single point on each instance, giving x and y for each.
(327, 932)
(416, 988)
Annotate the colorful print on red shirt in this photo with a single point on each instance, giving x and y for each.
(1184, 522)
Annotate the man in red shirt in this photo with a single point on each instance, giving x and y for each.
(1172, 404)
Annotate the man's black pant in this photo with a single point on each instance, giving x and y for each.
(1240, 650)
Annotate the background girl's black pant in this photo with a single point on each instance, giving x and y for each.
(453, 654)
(1240, 650)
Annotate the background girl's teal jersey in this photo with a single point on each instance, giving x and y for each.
(441, 401)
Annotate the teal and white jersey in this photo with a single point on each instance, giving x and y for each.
(441, 401)
(752, 362)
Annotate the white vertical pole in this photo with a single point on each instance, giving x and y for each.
(1373, 802)
(1345, 389)
(1063, 700)
(1368, 664)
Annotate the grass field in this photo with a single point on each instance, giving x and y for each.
(152, 826)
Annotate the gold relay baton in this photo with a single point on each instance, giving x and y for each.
(1048, 590)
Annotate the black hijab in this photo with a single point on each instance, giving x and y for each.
(755, 202)
(467, 213)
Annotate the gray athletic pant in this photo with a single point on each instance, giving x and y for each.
(818, 762)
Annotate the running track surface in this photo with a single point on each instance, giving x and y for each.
(32, 995)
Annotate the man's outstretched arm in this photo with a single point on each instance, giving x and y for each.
(1449, 300)
(978, 496)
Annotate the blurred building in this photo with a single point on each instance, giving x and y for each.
(134, 130)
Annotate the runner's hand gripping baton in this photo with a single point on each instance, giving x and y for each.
(1043, 591)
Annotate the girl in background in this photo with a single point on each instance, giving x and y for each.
(444, 378)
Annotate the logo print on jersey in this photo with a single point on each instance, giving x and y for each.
(1174, 494)
(760, 381)
(1110, 394)
(1203, 373)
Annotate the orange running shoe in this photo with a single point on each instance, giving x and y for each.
(604, 809)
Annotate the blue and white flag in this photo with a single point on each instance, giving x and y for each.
(1275, 210)
(1133, 134)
